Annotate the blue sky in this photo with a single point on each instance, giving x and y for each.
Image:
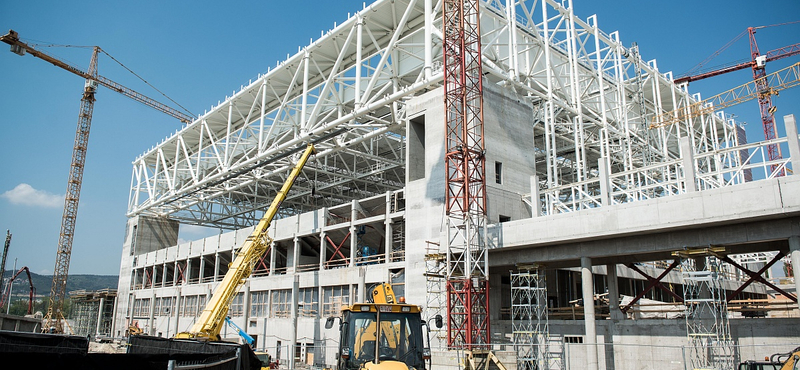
(200, 51)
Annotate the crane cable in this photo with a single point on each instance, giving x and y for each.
(118, 62)
(696, 69)
(148, 83)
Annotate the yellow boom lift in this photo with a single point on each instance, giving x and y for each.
(211, 321)
(383, 334)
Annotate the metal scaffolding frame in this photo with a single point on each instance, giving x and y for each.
(529, 320)
(708, 328)
(435, 291)
(590, 95)
(93, 312)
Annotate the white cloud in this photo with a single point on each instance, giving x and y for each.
(26, 195)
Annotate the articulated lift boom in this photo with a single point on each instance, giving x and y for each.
(211, 321)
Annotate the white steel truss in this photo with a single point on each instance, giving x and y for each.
(592, 98)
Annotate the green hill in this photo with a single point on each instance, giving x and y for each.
(42, 283)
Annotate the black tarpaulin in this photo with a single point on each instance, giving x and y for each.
(193, 352)
(19, 342)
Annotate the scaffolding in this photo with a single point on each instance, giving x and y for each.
(707, 325)
(435, 288)
(93, 312)
(398, 251)
(529, 322)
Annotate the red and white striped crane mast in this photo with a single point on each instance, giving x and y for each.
(467, 275)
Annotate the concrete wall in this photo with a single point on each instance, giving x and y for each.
(508, 135)
(154, 233)
(508, 131)
(658, 343)
(20, 323)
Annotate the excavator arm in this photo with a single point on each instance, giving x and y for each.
(211, 321)
(792, 361)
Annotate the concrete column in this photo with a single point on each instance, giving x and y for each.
(387, 240)
(362, 285)
(151, 317)
(99, 315)
(188, 271)
(202, 274)
(688, 164)
(175, 273)
(246, 306)
(323, 249)
(613, 292)
(536, 205)
(353, 239)
(176, 311)
(295, 253)
(605, 184)
(794, 145)
(293, 337)
(587, 285)
(272, 258)
(155, 277)
(164, 274)
(323, 242)
(794, 249)
(216, 265)
(112, 331)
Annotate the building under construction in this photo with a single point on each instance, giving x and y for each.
(93, 312)
(590, 204)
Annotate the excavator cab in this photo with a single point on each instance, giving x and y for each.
(384, 335)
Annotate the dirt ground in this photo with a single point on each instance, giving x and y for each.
(106, 348)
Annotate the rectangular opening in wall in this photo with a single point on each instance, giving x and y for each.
(416, 148)
(573, 339)
(498, 172)
(504, 218)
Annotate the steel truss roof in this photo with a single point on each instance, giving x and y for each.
(592, 98)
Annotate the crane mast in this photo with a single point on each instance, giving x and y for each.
(467, 274)
(54, 318)
(765, 106)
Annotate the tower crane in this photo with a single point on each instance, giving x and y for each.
(769, 85)
(54, 316)
(467, 268)
(757, 63)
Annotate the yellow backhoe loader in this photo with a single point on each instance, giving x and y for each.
(778, 361)
(384, 334)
